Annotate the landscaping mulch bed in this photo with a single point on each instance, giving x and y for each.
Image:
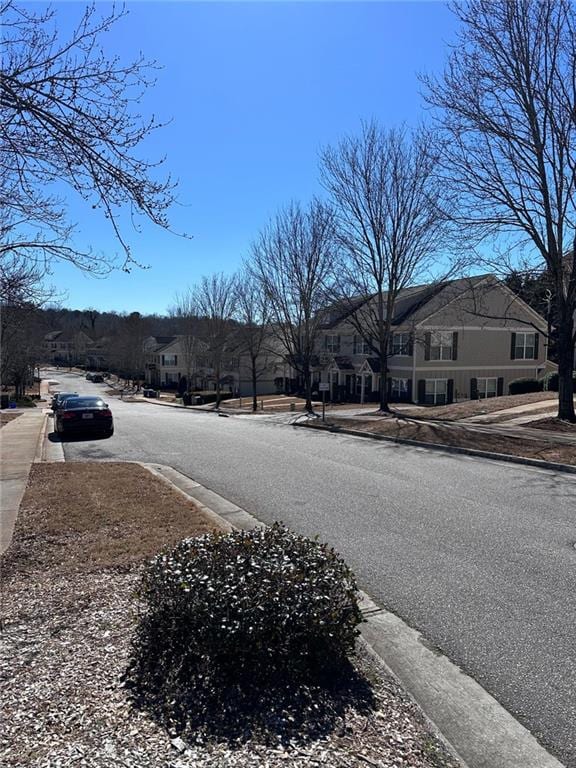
(458, 436)
(7, 417)
(68, 614)
(470, 408)
(554, 425)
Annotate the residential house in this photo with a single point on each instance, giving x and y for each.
(67, 347)
(457, 340)
(171, 360)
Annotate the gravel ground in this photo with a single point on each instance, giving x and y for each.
(66, 646)
(66, 643)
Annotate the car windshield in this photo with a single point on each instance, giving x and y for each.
(65, 395)
(85, 402)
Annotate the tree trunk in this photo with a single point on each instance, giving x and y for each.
(217, 373)
(307, 374)
(384, 406)
(254, 382)
(566, 366)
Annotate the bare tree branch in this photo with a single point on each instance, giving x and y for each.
(67, 115)
(393, 226)
(506, 105)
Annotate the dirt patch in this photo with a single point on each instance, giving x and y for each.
(6, 418)
(501, 418)
(476, 407)
(554, 425)
(459, 436)
(80, 516)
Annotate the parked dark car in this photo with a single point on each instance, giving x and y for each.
(97, 378)
(89, 376)
(60, 397)
(84, 414)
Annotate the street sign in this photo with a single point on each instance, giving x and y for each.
(324, 386)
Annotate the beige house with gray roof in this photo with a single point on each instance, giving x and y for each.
(458, 340)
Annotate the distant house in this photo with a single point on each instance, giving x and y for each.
(68, 347)
(182, 362)
(461, 339)
(273, 372)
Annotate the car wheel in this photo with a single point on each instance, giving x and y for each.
(110, 432)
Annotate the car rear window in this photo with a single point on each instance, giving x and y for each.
(85, 402)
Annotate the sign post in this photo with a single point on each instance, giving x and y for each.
(324, 387)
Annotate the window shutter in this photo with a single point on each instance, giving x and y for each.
(338, 342)
(455, 345)
(421, 390)
(390, 343)
(513, 347)
(450, 392)
(175, 359)
(162, 359)
(355, 345)
(500, 386)
(427, 343)
(409, 391)
(473, 389)
(536, 339)
(325, 342)
(411, 348)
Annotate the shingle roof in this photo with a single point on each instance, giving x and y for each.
(410, 300)
(344, 363)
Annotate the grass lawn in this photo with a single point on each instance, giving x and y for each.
(477, 407)
(458, 436)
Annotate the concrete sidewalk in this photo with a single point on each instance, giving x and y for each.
(20, 441)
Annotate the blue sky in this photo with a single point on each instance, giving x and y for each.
(253, 92)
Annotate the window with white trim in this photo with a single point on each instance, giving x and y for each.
(361, 346)
(441, 345)
(436, 392)
(487, 388)
(399, 388)
(171, 378)
(525, 346)
(332, 343)
(401, 344)
(169, 360)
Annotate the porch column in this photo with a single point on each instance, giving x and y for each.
(362, 382)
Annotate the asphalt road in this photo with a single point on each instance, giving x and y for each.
(478, 555)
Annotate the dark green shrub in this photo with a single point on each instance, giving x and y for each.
(550, 382)
(521, 386)
(210, 396)
(227, 615)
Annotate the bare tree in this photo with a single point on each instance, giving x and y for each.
(507, 106)
(126, 348)
(66, 115)
(185, 311)
(214, 298)
(392, 226)
(295, 260)
(253, 334)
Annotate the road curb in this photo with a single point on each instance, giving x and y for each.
(473, 725)
(40, 452)
(509, 458)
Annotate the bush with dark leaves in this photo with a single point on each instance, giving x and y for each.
(522, 386)
(226, 617)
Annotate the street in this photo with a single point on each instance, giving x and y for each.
(478, 555)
